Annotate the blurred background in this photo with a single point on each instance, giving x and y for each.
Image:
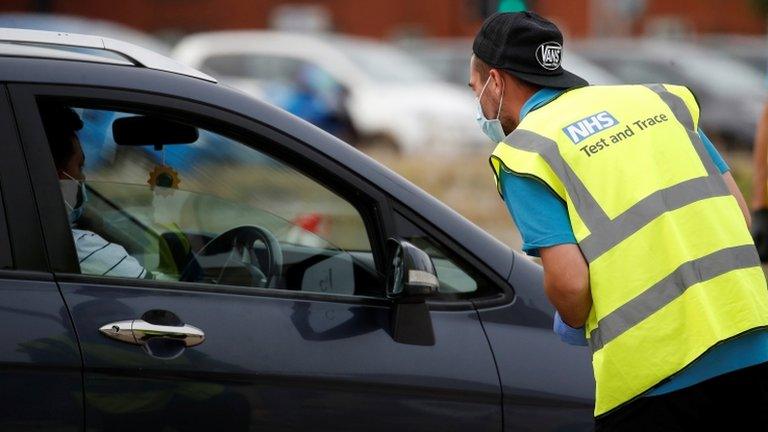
(389, 77)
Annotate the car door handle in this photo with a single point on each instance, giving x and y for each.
(138, 332)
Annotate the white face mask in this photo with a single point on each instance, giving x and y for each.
(491, 128)
(73, 192)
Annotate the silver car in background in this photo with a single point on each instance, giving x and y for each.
(390, 99)
(449, 57)
(730, 93)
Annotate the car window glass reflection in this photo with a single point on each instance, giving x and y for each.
(188, 204)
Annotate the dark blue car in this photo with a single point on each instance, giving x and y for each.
(302, 286)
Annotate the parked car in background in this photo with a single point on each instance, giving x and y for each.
(730, 94)
(307, 288)
(77, 24)
(750, 50)
(390, 99)
(449, 58)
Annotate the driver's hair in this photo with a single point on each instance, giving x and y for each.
(61, 124)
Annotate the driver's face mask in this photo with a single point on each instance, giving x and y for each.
(75, 197)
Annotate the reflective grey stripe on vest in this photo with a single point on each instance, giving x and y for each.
(604, 232)
(668, 289)
(589, 210)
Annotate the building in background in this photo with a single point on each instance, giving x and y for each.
(408, 18)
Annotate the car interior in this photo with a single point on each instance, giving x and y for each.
(161, 205)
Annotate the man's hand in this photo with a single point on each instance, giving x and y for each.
(566, 282)
(569, 335)
(760, 232)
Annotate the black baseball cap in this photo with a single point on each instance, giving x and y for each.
(527, 46)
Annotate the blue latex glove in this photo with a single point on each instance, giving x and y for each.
(568, 334)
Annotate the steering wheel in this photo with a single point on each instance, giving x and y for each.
(238, 246)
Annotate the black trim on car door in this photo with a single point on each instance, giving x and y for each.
(21, 240)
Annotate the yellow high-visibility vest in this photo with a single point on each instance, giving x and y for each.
(673, 270)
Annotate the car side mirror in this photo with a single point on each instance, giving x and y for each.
(411, 274)
(411, 279)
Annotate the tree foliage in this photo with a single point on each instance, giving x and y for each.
(760, 6)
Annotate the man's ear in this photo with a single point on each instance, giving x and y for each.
(499, 81)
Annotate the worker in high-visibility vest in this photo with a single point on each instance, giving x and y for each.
(641, 230)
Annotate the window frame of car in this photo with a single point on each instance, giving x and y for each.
(20, 235)
(504, 293)
(377, 215)
(306, 160)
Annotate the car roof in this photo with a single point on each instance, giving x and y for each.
(28, 40)
(242, 38)
(41, 51)
(652, 49)
(69, 72)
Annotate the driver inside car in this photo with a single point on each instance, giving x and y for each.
(96, 255)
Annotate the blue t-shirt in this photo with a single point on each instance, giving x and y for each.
(542, 219)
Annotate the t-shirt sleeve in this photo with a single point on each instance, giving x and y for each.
(713, 153)
(540, 216)
(100, 257)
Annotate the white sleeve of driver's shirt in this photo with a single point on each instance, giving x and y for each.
(100, 257)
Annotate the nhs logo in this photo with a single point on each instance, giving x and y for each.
(591, 125)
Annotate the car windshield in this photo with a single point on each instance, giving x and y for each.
(384, 63)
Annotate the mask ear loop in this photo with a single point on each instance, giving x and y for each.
(71, 207)
(501, 99)
(483, 90)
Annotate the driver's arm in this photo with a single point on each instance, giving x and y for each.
(98, 256)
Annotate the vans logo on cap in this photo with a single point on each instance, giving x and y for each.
(591, 125)
(548, 55)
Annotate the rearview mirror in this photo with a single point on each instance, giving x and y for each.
(150, 130)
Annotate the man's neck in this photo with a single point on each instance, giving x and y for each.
(522, 96)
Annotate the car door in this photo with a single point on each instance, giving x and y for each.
(313, 349)
(40, 363)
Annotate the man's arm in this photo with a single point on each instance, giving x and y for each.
(543, 222)
(566, 282)
(734, 189)
(759, 227)
(97, 256)
(759, 162)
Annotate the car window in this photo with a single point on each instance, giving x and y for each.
(640, 71)
(302, 88)
(203, 208)
(458, 278)
(385, 63)
(255, 66)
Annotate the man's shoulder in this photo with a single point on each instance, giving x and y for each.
(88, 241)
(84, 236)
